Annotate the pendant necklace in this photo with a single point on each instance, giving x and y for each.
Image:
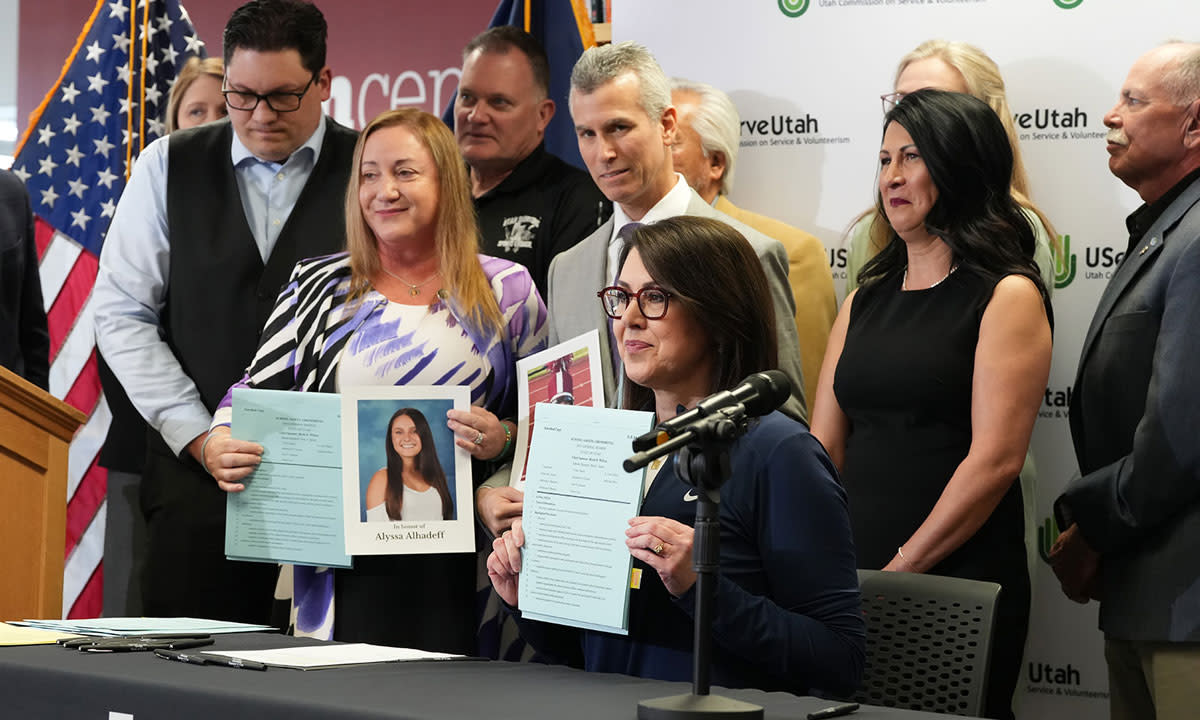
(413, 290)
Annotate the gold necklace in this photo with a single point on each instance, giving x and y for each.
(413, 289)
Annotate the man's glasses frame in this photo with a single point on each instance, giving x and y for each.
(615, 300)
(279, 102)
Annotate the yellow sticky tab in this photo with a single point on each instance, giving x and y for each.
(635, 579)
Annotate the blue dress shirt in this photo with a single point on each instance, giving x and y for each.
(131, 287)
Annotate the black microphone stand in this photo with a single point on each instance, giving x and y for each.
(704, 464)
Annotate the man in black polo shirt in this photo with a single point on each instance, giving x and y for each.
(206, 234)
(531, 204)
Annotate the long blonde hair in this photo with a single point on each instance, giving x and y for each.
(456, 236)
(984, 81)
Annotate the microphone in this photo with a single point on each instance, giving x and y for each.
(760, 393)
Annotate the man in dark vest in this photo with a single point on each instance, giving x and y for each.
(203, 239)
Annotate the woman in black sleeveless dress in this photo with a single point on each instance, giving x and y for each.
(937, 363)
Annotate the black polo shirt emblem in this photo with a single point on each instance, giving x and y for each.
(518, 232)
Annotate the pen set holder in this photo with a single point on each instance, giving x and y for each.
(704, 464)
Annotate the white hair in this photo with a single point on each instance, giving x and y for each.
(1182, 79)
(716, 121)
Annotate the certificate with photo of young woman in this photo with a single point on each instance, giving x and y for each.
(407, 487)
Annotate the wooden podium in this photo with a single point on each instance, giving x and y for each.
(35, 432)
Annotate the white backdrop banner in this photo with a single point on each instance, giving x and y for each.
(807, 75)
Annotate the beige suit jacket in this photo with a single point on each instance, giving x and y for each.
(811, 282)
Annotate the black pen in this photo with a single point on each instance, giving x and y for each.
(181, 644)
(135, 644)
(234, 662)
(181, 657)
(832, 712)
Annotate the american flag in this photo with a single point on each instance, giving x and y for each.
(75, 157)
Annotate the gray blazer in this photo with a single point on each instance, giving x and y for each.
(577, 274)
(1135, 423)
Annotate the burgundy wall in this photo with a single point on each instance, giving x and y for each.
(399, 49)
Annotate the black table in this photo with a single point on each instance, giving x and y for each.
(47, 681)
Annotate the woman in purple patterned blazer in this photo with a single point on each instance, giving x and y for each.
(410, 303)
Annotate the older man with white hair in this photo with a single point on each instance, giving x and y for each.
(1133, 518)
(705, 153)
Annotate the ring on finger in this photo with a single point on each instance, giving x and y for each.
(478, 439)
(657, 549)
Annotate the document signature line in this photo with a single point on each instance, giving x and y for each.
(584, 497)
(307, 465)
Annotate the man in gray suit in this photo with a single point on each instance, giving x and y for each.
(1132, 520)
(621, 104)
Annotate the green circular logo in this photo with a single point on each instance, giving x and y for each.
(796, 8)
(1064, 4)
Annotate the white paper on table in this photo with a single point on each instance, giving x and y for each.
(314, 657)
(143, 626)
(567, 374)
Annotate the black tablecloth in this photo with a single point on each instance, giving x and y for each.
(50, 682)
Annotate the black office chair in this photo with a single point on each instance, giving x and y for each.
(928, 641)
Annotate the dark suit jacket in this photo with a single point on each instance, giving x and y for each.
(1135, 422)
(24, 340)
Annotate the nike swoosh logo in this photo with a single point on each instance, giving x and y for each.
(690, 496)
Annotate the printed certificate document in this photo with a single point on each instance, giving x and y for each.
(291, 509)
(566, 374)
(575, 568)
(406, 485)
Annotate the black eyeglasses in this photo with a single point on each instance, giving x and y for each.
(652, 301)
(891, 100)
(280, 102)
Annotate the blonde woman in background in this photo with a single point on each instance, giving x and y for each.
(196, 97)
(964, 68)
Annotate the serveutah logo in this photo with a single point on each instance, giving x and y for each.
(1064, 4)
(783, 130)
(1047, 123)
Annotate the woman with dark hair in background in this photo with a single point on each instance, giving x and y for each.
(692, 316)
(954, 66)
(413, 485)
(930, 440)
(957, 66)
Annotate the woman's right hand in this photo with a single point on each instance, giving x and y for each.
(498, 507)
(504, 564)
(230, 460)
